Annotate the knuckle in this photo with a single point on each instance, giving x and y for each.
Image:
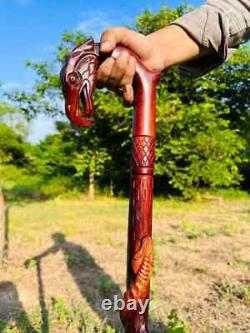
(106, 33)
(113, 32)
(122, 61)
(127, 79)
(120, 65)
(105, 73)
(104, 70)
(113, 77)
(112, 82)
(120, 29)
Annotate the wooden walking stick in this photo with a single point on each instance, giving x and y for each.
(78, 79)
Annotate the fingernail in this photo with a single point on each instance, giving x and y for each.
(105, 46)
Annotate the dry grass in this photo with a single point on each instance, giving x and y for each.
(202, 264)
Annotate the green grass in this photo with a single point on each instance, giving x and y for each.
(86, 243)
(61, 318)
(229, 290)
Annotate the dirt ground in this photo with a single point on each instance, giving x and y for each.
(70, 254)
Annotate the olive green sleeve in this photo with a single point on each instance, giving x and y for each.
(218, 25)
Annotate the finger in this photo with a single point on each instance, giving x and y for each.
(135, 41)
(109, 39)
(119, 69)
(128, 77)
(128, 94)
(105, 70)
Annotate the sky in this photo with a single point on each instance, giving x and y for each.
(30, 29)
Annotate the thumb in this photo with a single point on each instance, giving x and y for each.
(134, 41)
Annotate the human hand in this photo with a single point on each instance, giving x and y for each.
(118, 70)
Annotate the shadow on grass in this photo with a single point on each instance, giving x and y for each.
(93, 282)
(11, 307)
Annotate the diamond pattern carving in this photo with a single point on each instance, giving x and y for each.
(143, 151)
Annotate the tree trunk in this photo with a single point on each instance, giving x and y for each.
(2, 228)
(111, 187)
(91, 191)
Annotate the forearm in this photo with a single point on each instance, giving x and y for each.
(176, 46)
(198, 41)
(203, 39)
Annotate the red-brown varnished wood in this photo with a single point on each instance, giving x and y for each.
(140, 244)
(78, 79)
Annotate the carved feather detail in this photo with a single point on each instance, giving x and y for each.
(142, 265)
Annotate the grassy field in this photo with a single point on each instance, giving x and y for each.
(65, 256)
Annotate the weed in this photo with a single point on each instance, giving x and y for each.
(161, 241)
(230, 291)
(30, 263)
(201, 270)
(244, 294)
(226, 330)
(190, 229)
(109, 330)
(195, 230)
(22, 324)
(72, 258)
(172, 240)
(176, 325)
(240, 262)
(210, 232)
(105, 284)
(157, 261)
(62, 312)
(230, 229)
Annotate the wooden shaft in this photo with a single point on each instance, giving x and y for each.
(140, 244)
(85, 59)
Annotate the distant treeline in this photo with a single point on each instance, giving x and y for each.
(202, 131)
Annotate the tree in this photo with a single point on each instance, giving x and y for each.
(47, 98)
(201, 122)
(190, 113)
(12, 150)
(69, 154)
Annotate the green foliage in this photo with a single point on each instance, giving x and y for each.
(62, 312)
(31, 263)
(149, 21)
(176, 325)
(47, 94)
(60, 318)
(105, 284)
(229, 290)
(20, 325)
(202, 126)
(17, 182)
(198, 149)
(13, 132)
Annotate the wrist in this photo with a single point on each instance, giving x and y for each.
(174, 45)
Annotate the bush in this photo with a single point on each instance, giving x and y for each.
(56, 186)
(18, 183)
(198, 148)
